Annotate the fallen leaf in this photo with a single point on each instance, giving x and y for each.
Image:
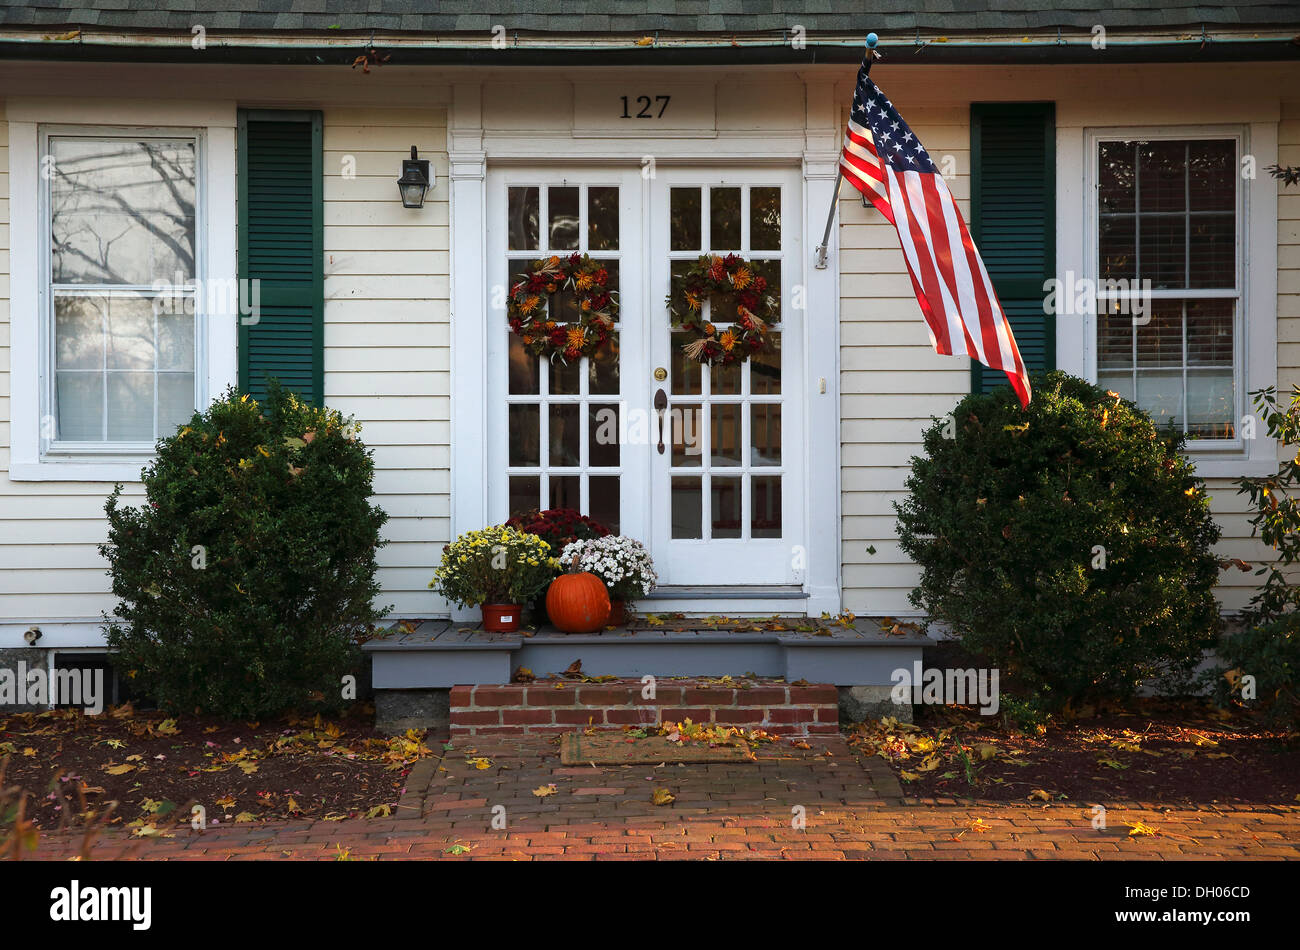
(544, 790)
(661, 796)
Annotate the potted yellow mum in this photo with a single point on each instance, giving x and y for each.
(497, 569)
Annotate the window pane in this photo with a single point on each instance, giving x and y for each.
(1117, 176)
(604, 507)
(765, 434)
(525, 441)
(130, 342)
(724, 219)
(765, 507)
(1160, 342)
(1211, 402)
(122, 211)
(724, 379)
(686, 507)
(687, 375)
(79, 331)
(726, 507)
(563, 209)
(1160, 394)
(523, 219)
(80, 407)
(175, 341)
(1162, 176)
(1114, 339)
(175, 401)
(1214, 251)
(765, 219)
(602, 435)
(1162, 248)
(602, 219)
(564, 378)
(564, 435)
(130, 407)
(1213, 184)
(684, 214)
(1117, 248)
(1209, 332)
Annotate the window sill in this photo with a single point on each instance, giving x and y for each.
(79, 470)
(1216, 466)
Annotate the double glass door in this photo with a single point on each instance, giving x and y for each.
(702, 463)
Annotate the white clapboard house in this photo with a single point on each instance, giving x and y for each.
(262, 139)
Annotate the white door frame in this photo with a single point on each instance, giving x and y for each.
(817, 153)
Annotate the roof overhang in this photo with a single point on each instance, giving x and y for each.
(535, 49)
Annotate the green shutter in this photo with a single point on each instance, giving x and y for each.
(281, 244)
(1013, 222)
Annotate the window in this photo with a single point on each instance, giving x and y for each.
(1168, 222)
(122, 288)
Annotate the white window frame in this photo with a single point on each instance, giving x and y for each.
(1255, 357)
(31, 122)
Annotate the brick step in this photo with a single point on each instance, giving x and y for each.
(561, 706)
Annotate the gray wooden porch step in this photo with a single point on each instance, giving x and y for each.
(440, 653)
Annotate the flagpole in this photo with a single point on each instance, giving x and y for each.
(820, 264)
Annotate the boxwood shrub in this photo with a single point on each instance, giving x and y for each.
(1069, 542)
(247, 574)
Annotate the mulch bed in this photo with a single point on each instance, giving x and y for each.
(1147, 751)
(156, 768)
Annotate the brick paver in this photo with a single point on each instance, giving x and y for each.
(824, 803)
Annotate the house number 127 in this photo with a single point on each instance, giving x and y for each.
(644, 106)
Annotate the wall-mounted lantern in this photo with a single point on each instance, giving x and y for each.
(414, 183)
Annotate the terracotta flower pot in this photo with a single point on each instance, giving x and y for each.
(501, 618)
(617, 613)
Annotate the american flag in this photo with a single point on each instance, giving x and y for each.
(956, 296)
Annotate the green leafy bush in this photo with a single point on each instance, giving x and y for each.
(1268, 652)
(246, 577)
(1069, 543)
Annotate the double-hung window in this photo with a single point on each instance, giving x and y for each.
(121, 227)
(1170, 288)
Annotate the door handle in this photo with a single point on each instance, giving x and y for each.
(661, 403)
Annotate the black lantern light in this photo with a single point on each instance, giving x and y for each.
(414, 182)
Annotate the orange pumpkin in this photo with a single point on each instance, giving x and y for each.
(578, 603)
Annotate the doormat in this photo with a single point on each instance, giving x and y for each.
(615, 748)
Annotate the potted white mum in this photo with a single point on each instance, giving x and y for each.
(622, 563)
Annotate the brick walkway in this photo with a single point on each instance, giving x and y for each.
(851, 809)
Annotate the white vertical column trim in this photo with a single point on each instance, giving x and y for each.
(1259, 321)
(821, 407)
(467, 177)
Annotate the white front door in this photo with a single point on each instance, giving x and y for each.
(721, 505)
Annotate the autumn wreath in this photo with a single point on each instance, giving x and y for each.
(712, 277)
(532, 319)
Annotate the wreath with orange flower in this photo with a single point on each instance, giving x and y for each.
(532, 304)
(711, 277)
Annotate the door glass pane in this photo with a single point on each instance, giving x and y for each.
(602, 369)
(765, 507)
(765, 434)
(524, 213)
(525, 494)
(685, 432)
(765, 219)
(524, 375)
(563, 209)
(525, 439)
(724, 219)
(765, 369)
(724, 434)
(687, 375)
(565, 378)
(684, 219)
(686, 507)
(726, 507)
(724, 380)
(564, 435)
(566, 492)
(602, 219)
(604, 506)
(602, 435)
